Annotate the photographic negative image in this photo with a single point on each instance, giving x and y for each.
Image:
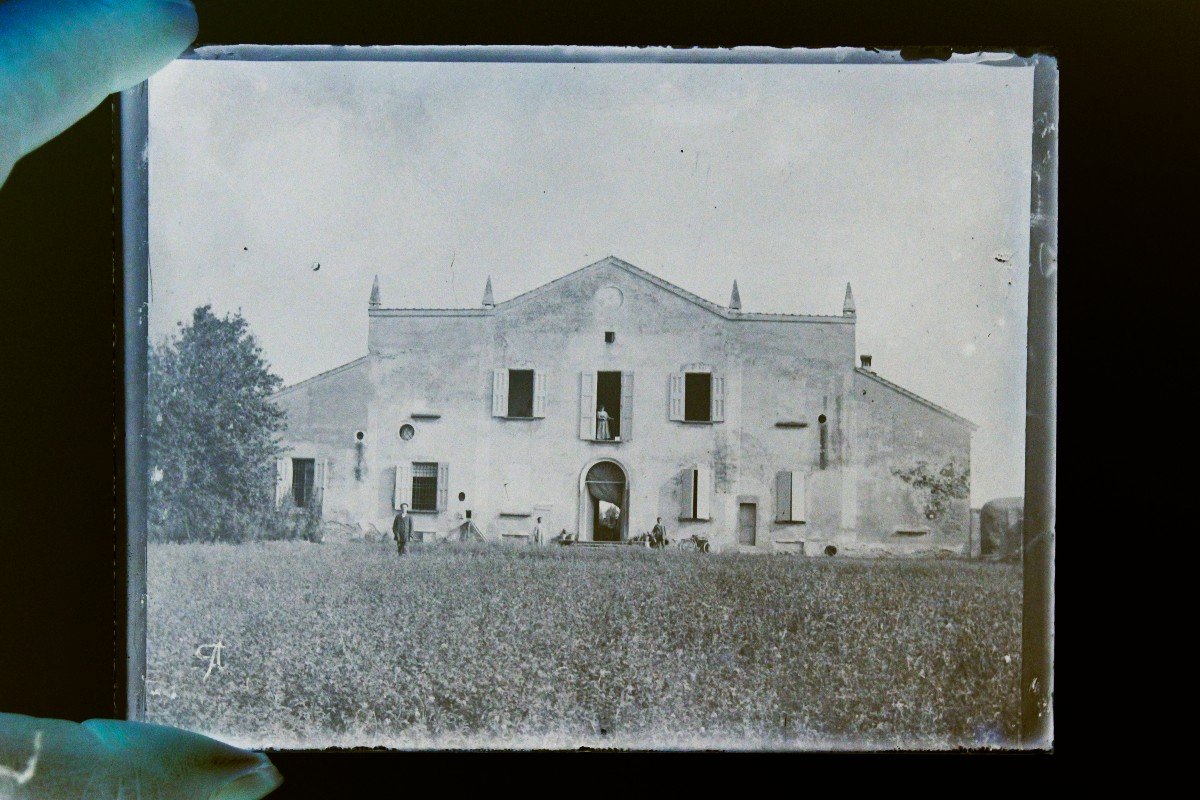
(517, 398)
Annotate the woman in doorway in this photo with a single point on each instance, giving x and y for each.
(602, 424)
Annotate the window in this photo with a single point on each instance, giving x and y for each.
(612, 392)
(519, 393)
(824, 437)
(610, 337)
(697, 493)
(608, 399)
(303, 477)
(424, 486)
(790, 496)
(697, 398)
(697, 394)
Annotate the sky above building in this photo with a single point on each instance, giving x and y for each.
(911, 182)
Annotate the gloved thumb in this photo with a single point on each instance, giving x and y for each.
(59, 59)
(49, 759)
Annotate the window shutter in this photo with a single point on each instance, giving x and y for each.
(283, 480)
(703, 492)
(688, 480)
(626, 406)
(587, 405)
(718, 398)
(783, 497)
(404, 480)
(443, 487)
(320, 479)
(676, 404)
(799, 481)
(499, 393)
(515, 491)
(539, 393)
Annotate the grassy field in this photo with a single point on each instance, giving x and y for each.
(480, 645)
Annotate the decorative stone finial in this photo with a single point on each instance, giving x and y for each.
(488, 300)
(735, 299)
(374, 302)
(848, 305)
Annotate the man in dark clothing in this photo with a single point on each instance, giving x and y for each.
(402, 528)
(659, 534)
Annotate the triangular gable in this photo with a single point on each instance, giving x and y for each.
(321, 376)
(866, 373)
(637, 272)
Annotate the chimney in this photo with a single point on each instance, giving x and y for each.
(488, 300)
(374, 301)
(735, 299)
(866, 362)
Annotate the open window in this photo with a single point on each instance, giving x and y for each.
(518, 393)
(304, 473)
(606, 406)
(422, 485)
(300, 482)
(697, 394)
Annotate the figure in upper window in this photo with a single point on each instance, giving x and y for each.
(602, 424)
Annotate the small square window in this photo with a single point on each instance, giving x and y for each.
(610, 336)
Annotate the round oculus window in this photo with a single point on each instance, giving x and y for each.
(407, 432)
(610, 298)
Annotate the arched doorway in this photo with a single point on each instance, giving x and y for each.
(604, 502)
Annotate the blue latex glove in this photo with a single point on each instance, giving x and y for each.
(59, 59)
(105, 759)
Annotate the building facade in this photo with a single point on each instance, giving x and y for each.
(609, 398)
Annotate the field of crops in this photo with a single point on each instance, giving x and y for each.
(483, 645)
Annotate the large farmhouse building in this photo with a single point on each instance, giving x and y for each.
(608, 398)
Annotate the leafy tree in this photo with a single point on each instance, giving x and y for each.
(938, 488)
(213, 431)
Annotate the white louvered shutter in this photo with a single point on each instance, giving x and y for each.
(499, 393)
(539, 393)
(703, 493)
(718, 398)
(443, 487)
(783, 497)
(404, 478)
(799, 496)
(688, 481)
(283, 480)
(587, 405)
(320, 481)
(676, 397)
(626, 406)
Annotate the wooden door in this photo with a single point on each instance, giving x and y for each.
(747, 522)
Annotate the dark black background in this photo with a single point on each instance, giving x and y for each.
(1127, 172)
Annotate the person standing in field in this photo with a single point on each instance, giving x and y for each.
(537, 532)
(402, 528)
(659, 533)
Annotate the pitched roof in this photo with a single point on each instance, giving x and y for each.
(912, 396)
(325, 374)
(638, 272)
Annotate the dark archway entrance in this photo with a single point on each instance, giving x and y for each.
(606, 491)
